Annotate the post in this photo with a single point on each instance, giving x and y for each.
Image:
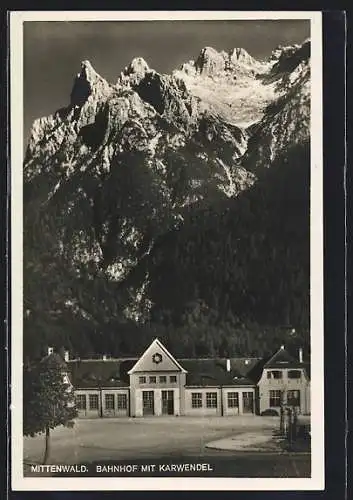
(295, 423)
(222, 403)
(47, 445)
(281, 421)
(290, 427)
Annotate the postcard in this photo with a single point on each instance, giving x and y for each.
(167, 250)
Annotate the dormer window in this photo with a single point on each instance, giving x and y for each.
(274, 374)
(294, 374)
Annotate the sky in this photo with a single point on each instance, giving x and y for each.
(53, 50)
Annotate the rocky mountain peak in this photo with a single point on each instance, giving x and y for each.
(240, 55)
(87, 82)
(209, 61)
(138, 66)
(134, 72)
(88, 72)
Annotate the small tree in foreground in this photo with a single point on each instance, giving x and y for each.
(48, 400)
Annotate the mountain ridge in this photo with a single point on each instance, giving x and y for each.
(127, 164)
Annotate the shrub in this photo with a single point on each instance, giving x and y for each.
(270, 412)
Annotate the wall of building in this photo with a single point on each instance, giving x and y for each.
(284, 385)
(138, 387)
(182, 382)
(135, 379)
(137, 401)
(229, 411)
(89, 412)
(116, 411)
(203, 410)
(182, 397)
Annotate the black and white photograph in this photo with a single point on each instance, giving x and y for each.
(167, 315)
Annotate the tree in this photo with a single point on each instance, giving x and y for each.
(48, 398)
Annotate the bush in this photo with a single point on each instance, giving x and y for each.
(269, 413)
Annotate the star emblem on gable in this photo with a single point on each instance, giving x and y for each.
(157, 358)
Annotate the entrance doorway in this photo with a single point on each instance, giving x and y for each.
(148, 402)
(167, 402)
(248, 402)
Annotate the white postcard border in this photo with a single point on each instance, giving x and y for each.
(19, 482)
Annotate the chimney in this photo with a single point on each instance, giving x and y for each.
(66, 356)
(300, 355)
(228, 365)
(50, 350)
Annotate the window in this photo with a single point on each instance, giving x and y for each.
(233, 400)
(153, 379)
(275, 398)
(93, 401)
(196, 399)
(121, 401)
(211, 399)
(81, 401)
(142, 380)
(173, 379)
(277, 374)
(294, 374)
(293, 398)
(109, 402)
(163, 379)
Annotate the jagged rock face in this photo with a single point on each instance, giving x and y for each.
(123, 164)
(287, 119)
(88, 83)
(138, 66)
(209, 61)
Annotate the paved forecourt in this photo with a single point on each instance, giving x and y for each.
(136, 438)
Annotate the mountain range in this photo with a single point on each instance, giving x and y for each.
(172, 205)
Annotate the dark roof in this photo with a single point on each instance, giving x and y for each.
(201, 372)
(100, 373)
(256, 369)
(244, 365)
(282, 359)
(210, 372)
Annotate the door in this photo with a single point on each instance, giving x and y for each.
(148, 402)
(168, 402)
(248, 402)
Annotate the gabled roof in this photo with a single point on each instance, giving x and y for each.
(156, 358)
(281, 358)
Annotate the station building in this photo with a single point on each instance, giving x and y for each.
(156, 384)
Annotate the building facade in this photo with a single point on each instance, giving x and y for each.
(157, 384)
